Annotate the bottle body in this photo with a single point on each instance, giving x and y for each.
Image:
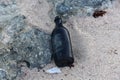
(61, 47)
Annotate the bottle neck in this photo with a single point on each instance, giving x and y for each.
(58, 21)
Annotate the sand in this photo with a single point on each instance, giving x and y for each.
(95, 41)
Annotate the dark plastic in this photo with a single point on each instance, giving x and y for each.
(61, 45)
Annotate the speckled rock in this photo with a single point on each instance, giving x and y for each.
(20, 42)
(28, 43)
(66, 8)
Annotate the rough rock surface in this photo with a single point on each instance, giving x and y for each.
(66, 8)
(20, 42)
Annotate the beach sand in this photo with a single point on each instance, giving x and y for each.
(95, 42)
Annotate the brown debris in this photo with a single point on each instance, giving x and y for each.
(98, 13)
(71, 66)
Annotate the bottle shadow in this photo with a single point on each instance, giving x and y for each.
(81, 44)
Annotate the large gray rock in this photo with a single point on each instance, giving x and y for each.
(66, 8)
(29, 44)
(20, 43)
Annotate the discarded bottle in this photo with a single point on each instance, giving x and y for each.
(61, 45)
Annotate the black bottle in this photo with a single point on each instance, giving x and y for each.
(61, 45)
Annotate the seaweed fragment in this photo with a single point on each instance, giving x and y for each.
(98, 13)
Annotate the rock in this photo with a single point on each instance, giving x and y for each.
(20, 42)
(27, 43)
(66, 8)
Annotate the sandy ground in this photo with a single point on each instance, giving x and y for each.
(95, 41)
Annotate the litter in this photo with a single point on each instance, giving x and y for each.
(54, 70)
